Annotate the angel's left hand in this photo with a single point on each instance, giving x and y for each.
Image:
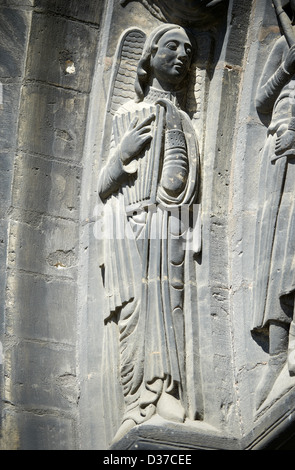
(284, 142)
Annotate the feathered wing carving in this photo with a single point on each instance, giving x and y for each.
(121, 90)
(127, 56)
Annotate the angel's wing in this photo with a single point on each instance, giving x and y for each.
(128, 53)
(121, 89)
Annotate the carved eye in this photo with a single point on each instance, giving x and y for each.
(172, 45)
(189, 50)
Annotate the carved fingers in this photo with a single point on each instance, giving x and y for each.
(136, 138)
(146, 122)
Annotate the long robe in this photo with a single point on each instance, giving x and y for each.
(275, 235)
(144, 275)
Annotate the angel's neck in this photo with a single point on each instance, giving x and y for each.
(164, 86)
(153, 94)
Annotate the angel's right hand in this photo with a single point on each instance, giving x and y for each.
(136, 139)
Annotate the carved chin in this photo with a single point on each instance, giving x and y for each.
(177, 72)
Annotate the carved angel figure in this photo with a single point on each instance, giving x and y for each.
(275, 238)
(151, 173)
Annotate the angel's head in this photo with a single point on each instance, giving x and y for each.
(165, 61)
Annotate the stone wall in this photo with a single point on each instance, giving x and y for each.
(48, 51)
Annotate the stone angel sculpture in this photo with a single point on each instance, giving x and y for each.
(151, 173)
(275, 235)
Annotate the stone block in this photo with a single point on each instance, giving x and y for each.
(44, 377)
(3, 245)
(49, 248)
(9, 108)
(3, 254)
(13, 35)
(41, 310)
(58, 184)
(27, 431)
(3, 248)
(61, 52)
(6, 172)
(52, 121)
(90, 12)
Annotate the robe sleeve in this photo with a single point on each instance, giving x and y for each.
(273, 79)
(111, 176)
(114, 173)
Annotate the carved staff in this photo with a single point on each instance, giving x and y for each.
(285, 22)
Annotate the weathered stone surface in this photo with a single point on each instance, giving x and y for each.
(3, 249)
(70, 61)
(59, 183)
(43, 310)
(54, 243)
(88, 12)
(14, 29)
(52, 121)
(42, 378)
(9, 113)
(6, 174)
(27, 431)
(40, 180)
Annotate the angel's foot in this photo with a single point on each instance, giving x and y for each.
(125, 427)
(170, 408)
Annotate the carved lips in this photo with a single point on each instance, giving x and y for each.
(180, 66)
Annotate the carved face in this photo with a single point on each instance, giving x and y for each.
(171, 58)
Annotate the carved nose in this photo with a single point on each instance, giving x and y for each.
(182, 54)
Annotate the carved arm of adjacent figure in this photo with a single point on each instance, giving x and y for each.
(278, 71)
(113, 175)
(286, 141)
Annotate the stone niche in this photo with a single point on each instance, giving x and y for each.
(147, 256)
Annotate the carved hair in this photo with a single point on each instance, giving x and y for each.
(144, 65)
